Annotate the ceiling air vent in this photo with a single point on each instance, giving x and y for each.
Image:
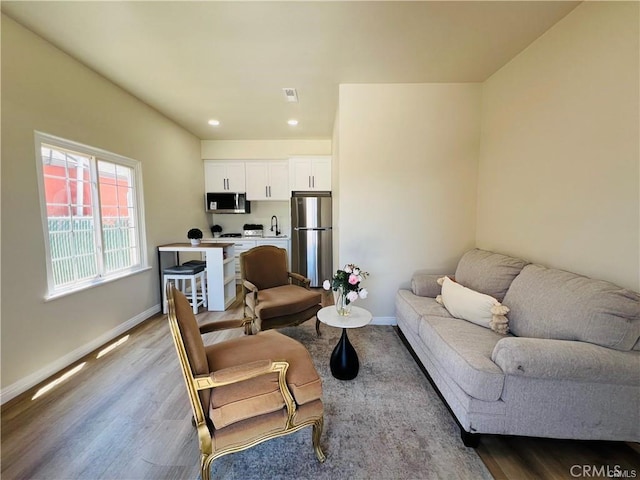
(290, 94)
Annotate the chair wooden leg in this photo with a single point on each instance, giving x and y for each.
(316, 434)
(205, 466)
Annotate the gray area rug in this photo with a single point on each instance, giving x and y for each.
(387, 423)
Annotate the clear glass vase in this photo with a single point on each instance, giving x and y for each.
(343, 306)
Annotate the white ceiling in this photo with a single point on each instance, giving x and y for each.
(194, 61)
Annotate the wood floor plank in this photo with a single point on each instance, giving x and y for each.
(541, 458)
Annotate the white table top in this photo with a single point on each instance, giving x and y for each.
(187, 247)
(359, 317)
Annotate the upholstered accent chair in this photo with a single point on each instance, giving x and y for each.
(245, 390)
(274, 297)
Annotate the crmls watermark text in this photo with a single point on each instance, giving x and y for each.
(607, 471)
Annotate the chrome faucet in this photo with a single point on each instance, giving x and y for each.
(276, 219)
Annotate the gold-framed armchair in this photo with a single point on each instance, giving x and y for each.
(274, 297)
(245, 390)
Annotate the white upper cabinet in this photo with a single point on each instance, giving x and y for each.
(224, 176)
(310, 173)
(267, 180)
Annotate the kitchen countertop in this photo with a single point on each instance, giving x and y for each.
(232, 239)
(188, 246)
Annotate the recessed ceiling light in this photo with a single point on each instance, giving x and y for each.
(293, 122)
(215, 123)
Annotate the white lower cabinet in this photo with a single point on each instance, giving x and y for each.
(277, 242)
(242, 246)
(245, 245)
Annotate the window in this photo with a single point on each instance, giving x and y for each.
(91, 204)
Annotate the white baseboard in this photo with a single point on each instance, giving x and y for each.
(56, 366)
(384, 321)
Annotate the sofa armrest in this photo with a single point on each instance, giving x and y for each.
(425, 284)
(566, 360)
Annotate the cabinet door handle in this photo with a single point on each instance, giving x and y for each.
(269, 191)
(266, 191)
(313, 181)
(309, 181)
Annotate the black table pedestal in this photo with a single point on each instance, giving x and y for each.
(344, 359)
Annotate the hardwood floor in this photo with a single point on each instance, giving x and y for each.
(125, 416)
(122, 416)
(524, 458)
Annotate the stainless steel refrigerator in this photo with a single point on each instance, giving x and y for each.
(311, 241)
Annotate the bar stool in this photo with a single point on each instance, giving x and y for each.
(181, 274)
(198, 263)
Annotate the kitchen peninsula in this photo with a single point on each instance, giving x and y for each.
(243, 243)
(220, 259)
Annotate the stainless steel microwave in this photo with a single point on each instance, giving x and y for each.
(227, 203)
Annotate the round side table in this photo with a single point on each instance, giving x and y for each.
(344, 359)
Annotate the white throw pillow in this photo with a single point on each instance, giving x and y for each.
(467, 304)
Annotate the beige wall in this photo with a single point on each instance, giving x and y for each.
(559, 162)
(257, 149)
(335, 186)
(44, 89)
(406, 181)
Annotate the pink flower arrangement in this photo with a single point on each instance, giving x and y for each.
(348, 279)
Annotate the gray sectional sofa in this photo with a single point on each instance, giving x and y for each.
(568, 368)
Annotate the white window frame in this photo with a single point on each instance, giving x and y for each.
(96, 154)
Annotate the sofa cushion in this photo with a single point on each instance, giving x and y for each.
(425, 284)
(566, 360)
(465, 350)
(487, 272)
(551, 303)
(411, 308)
